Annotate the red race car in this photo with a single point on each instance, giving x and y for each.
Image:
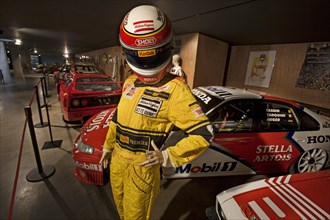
(254, 134)
(297, 196)
(63, 72)
(84, 95)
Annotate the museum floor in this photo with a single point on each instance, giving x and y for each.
(62, 196)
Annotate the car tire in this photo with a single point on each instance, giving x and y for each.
(67, 122)
(211, 213)
(310, 161)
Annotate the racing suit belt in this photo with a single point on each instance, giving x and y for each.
(129, 156)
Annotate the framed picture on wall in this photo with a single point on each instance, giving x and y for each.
(260, 68)
(315, 71)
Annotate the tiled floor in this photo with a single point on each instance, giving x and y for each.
(62, 196)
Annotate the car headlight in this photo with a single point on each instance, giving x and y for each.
(84, 148)
(75, 102)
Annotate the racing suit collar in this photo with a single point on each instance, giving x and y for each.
(168, 77)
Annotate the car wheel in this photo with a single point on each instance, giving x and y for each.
(312, 160)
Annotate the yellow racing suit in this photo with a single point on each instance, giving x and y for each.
(145, 113)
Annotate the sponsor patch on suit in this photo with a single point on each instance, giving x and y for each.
(148, 106)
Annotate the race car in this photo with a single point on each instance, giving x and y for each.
(87, 149)
(253, 134)
(84, 95)
(297, 196)
(63, 73)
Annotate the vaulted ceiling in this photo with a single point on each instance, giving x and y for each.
(84, 25)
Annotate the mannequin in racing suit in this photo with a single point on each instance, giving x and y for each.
(152, 103)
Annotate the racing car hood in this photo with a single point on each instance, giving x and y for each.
(95, 129)
(296, 196)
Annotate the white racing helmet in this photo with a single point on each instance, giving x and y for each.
(146, 37)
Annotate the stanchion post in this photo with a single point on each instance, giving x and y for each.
(42, 79)
(43, 90)
(45, 86)
(41, 124)
(41, 172)
(48, 82)
(53, 143)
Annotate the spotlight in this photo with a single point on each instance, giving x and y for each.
(18, 42)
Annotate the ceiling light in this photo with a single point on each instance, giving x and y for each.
(18, 42)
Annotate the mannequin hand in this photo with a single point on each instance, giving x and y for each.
(154, 157)
(105, 159)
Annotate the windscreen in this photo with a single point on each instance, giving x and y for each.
(96, 84)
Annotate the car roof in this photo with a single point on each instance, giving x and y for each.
(82, 64)
(91, 75)
(227, 93)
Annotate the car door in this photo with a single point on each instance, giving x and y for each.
(261, 140)
(250, 136)
(233, 124)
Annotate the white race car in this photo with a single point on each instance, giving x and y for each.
(254, 134)
(297, 196)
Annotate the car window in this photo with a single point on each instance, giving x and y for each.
(276, 117)
(307, 122)
(68, 81)
(86, 69)
(96, 84)
(89, 79)
(67, 69)
(235, 116)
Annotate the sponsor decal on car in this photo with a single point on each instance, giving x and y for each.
(326, 125)
(202, 96)
(318, 139)
(218, 91)
(273, 153)
(108, 120)
(205, 168)
(275, 115)
(96, 122)
(89, 166)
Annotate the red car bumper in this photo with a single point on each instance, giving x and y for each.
(81, 114)
(89, 176)
(88, 169)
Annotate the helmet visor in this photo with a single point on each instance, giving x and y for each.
(144, 61)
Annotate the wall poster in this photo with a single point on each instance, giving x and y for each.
(315, 72)
(260, 68)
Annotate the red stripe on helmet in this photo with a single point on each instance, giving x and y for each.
(143, 29)
(129, 39)
(144, 21)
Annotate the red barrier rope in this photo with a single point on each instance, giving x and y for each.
(34, 92)
(12, 200)
(11, 208)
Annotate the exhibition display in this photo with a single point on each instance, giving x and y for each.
(254, 134)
